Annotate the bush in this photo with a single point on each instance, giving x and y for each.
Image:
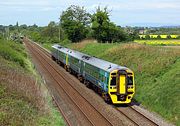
(178, 37)
(65, 42)
(54, 40)
(1, 37)
(169, 37)
(10, 51)
(158, 37)
(147, 37)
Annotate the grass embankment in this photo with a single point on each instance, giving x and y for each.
(23, 98)
(159, 42)
(157, 73)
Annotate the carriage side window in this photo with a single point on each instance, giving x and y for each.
(113, 81)
(107, 80)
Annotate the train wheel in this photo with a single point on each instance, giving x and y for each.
(53, 58)
(107, 98)
(99, 91)
(70, 70)
(66, 68)
(80, 78)
(87, 84)
(59, 63)
(56, 61)
(95, 89)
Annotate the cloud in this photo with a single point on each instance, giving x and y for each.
(122, 10)
(138, 5)
(22, 5)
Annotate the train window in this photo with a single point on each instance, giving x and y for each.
(101, 78)
(107, 80)
(113, 73)
(130, 80)
(113, 81)
(104, 79)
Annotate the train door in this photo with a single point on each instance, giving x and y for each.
(122, 82)
(113, 82)
(66, 57)
(81, 67)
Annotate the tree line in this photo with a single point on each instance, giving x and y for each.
(76, 24)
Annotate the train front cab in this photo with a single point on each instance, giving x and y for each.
(121, 86)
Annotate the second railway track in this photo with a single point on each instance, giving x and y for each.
(136, 117)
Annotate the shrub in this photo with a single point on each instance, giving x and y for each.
(169, 37)
(65, 42)
(10, 51)
(158, 37)
(147, 37)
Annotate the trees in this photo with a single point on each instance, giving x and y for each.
(169, 37)
(100, 24)
(103, 29)
(51, 30)
(74, 22)
(147, 37)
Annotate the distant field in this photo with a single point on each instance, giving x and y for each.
(161, 36)
(159, 42)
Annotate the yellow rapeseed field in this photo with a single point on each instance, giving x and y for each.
(159, 42)
(162, 36)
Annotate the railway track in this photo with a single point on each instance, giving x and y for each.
(136, 117)
(93, 116)
(130, 113)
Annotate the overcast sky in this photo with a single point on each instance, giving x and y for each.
(124, 12)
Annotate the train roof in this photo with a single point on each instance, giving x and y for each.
(102, 64)
(60, 48)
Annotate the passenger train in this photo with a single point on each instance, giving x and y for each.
(115, 83)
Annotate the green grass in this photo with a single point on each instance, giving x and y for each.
(47, 45)
(22, 102)
(18, 110)
(15, 110)
(157, 73)
(12, 52)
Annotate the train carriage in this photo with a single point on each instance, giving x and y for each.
(75, 62)
(54, 52)
(60, 54)
(114, 82)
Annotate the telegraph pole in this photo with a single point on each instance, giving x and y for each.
(59, 31)
(7, 32)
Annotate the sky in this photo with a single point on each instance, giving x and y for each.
(122, 12)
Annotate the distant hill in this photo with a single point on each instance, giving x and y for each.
(153, 25)
(173, 26)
